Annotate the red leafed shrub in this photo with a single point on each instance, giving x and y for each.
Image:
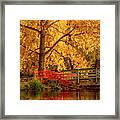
(44, 81)
(61, 77)
(66, 82)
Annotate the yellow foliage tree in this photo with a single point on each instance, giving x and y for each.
(58, 44)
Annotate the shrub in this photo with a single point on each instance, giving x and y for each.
(37, 85)
(25, 86)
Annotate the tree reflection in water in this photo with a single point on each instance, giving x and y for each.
(60, 95)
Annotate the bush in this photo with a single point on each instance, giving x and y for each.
(37, 85)
(25, 86)
(54, 84)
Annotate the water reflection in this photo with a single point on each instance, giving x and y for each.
(60, 95)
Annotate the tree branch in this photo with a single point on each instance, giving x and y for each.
(58, 41)
(78, 34)
(50, 53)
(29, 49)
(79, 50)
(58, 53)
(52, 24)
(58, 30)
(31, 28)
(33, 51)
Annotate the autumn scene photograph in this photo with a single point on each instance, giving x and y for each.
(59, 59)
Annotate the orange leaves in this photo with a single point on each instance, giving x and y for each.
(82, 45)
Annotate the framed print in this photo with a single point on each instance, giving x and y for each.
(59, 59)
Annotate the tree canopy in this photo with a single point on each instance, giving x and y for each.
(58, 44)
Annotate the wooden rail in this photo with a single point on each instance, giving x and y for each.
(86, 74)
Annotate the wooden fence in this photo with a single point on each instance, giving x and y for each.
(86, 74)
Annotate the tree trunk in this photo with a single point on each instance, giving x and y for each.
(42, 50)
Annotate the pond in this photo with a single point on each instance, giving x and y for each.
(83, 94)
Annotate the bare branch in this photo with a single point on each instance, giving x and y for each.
(31, 28)
(52, 24)
(58, 30)
(29, 49)
(45, 22)
(59, 53)
(78, 34)
(56, 52)
(58, 41)
(50, 53)
(34, 51)
(79, 50)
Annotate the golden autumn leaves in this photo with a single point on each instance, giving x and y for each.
(56, 40)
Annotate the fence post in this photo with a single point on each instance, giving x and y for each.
(96, 75)
(78, 75)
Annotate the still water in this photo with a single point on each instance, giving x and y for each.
(60, 95)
